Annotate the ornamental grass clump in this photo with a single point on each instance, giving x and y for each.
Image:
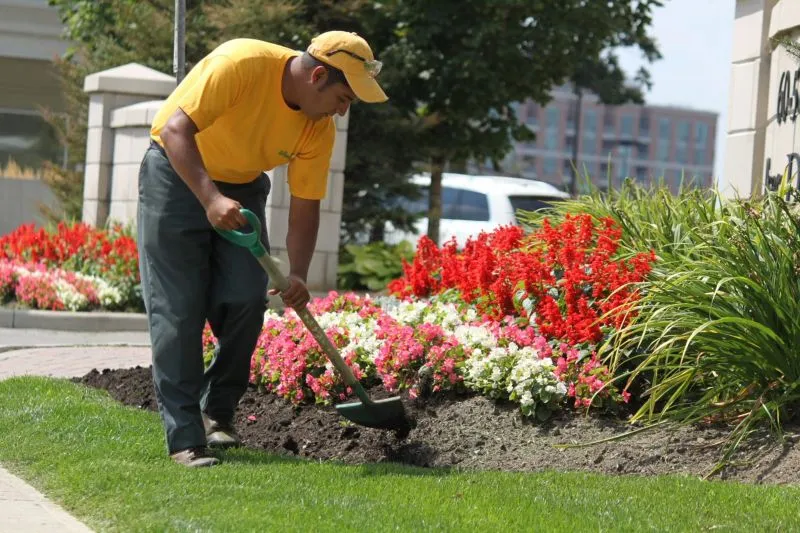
(716, 333)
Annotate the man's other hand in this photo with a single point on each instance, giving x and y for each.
(297, 295)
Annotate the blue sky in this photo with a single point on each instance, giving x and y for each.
(695, 38)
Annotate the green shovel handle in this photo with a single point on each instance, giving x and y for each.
(252, 240)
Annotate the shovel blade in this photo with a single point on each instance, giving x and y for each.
(380, 414)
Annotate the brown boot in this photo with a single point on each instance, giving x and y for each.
(198, 456)
(220, 435)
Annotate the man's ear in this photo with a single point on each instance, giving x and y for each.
(319, 75)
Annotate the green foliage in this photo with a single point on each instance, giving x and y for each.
(458, 77)
(107, 34)
(372, 266)
(452, 70)
(717, 330)
(792, 46)
(719, 327)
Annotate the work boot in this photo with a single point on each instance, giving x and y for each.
(220, 434)
(198, 456)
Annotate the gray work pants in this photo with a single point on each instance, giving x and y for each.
(191, 274)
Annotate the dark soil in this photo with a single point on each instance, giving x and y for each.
(474, 433)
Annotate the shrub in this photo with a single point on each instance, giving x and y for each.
(372, 266)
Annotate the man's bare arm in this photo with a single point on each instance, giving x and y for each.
(179, 143)
(302, 236)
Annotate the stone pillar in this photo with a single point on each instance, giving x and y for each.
(110, 90)
(324, 264)
(782, 142)
(749, 99)
(131, 127)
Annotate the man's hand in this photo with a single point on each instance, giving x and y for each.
(296, 296)
(223, 213)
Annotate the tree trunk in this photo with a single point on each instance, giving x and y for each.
(376, 233)
(435, 198)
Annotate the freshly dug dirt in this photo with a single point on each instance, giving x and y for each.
(474, 433)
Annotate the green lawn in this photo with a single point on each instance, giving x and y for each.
(107, 465)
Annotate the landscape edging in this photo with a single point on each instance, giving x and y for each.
(72, 320)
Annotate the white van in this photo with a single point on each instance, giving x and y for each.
(471, 204)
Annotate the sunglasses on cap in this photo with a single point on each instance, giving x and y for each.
(372, 66)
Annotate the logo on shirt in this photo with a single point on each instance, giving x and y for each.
(286, 155)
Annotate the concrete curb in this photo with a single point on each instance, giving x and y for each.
(72, 321)
(99, 321)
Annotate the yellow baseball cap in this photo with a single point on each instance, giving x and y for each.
(351, 54)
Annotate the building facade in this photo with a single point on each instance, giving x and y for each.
(30, 39)
(762, 141)
(644, 142)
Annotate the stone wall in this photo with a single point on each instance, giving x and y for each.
(20, 200)
(122, 109)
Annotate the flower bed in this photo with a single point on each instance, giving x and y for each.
(74, 267)
(514, 318)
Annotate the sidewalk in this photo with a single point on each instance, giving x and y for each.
(22, 508)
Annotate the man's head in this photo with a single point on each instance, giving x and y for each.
(338, 68)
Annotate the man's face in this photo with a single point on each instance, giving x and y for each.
(327, 101)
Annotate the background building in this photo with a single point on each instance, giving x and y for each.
(641, 141)
(30, 38)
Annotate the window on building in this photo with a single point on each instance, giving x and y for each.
(627, 125)
(663, 149)
(700, 142)
(552, 128)
(625, 156)
(608, 147)
(551, 139)
(589, 133)
(609, 121)
(28, 140)
(682, 153)
(700, 156)
(641, 174)
(644, 124)
(532, 117)
(549, 167)
(664, 128)
(553, 117)
(643, 151)
(683, 131)
(700, 134)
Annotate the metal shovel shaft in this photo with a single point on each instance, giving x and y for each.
(281, 283)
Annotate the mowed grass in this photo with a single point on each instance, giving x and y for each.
(106, 464)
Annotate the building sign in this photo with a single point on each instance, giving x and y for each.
(772, 183)
(788, 96)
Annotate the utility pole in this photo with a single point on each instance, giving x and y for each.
(179, 54)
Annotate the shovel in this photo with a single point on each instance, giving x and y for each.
(382, 414)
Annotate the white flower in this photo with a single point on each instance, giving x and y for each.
(69, 295)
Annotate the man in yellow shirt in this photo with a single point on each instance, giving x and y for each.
(247, 107)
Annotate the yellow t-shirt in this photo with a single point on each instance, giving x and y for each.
(245, 127)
